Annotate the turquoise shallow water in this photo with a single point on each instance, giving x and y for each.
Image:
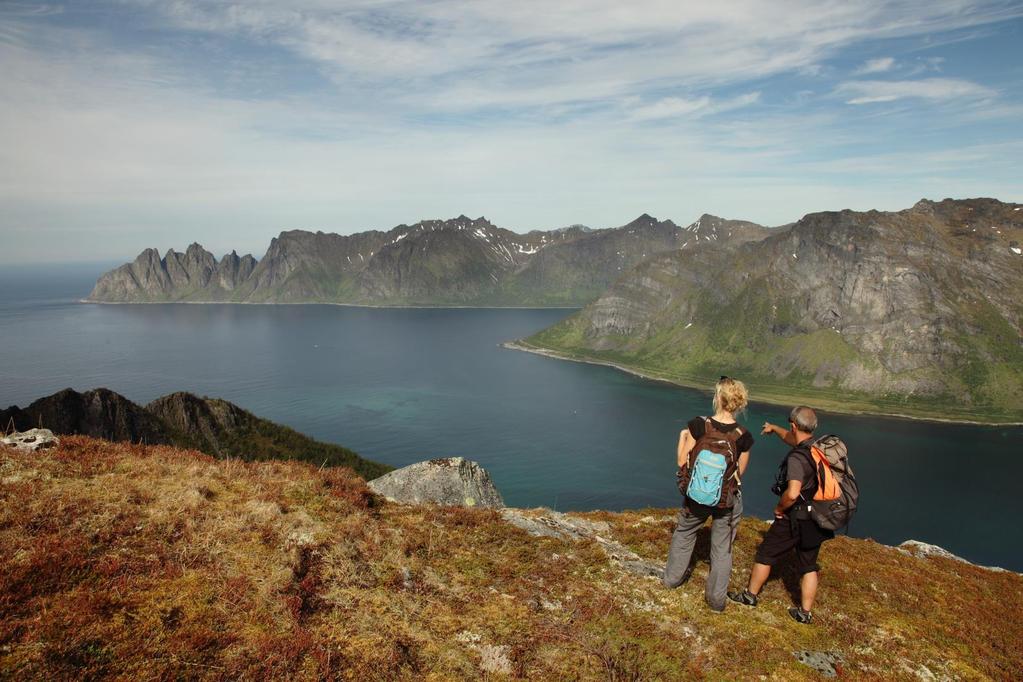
(400, 386)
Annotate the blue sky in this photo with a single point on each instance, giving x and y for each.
(138, 123)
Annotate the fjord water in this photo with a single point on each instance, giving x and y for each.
(404, 385)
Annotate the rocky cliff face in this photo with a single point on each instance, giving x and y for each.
(193, 275)
(462, 261)
(209, 422)
(214, 426)
(919, 306)
(99, 413)
(580, 269)
(456, 261)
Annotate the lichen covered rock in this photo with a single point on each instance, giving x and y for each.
(33, 439)
(450, 481)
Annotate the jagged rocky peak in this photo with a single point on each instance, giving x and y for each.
(149, 257)
(204, 419)
(709, 227)
(577, 227)
(647, 220)
(458, 260)
(193, 268)
(983, 213)
(100, 412)
(705, 221)
(462, 222)
(233, 269)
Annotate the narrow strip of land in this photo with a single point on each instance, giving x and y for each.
(777, 395)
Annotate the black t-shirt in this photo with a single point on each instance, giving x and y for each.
(698, 426)
(799, 467)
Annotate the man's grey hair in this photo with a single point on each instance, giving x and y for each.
(804, 418)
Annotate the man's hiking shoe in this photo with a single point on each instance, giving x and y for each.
(745, 597)
(801, 616)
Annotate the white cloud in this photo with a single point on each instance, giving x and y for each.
(102, 143)
(676, 107)
(879, 65)
(934, 89)
(469, 54)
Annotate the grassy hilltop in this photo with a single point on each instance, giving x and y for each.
(136, 562)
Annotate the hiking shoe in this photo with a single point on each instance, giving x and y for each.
(745, 597)
(801, 616)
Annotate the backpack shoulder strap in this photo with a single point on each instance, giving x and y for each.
(806, 450)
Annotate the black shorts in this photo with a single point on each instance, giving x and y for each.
(785, 535)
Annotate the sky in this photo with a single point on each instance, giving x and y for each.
(135, 123)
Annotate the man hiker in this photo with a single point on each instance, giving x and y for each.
(793, 529)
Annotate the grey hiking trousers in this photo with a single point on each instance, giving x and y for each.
(722, 534)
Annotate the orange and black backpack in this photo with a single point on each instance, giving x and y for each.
(837, 495)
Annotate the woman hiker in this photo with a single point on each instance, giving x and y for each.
(712, 457)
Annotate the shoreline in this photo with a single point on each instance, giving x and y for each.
(343, 305)
(519, 345)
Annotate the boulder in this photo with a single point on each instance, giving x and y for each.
(31, 440)
(451, 481)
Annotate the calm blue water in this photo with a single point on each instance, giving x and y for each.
(401, 386)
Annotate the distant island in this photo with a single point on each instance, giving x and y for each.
(915, 313)
(457, 262)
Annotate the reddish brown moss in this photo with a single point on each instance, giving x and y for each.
(132, 561)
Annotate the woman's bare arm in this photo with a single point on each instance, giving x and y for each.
(685, 444)
(743, 463)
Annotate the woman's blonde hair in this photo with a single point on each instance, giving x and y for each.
(730, 395)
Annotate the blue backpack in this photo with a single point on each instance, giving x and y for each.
(711, 475)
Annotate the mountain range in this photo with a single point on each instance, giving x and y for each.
(916, 312)
(461, 261)
(210, 425)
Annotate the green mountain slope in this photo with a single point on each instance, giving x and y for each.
(916, 313)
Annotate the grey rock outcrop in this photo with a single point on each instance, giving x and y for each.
(452, 481)
(31, 440)
(925, 550)
(826, 663)
(548, 523)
